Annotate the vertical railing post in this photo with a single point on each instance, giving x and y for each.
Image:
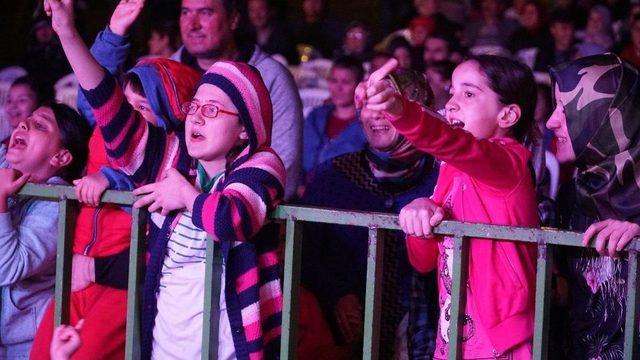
(64, 257)
(134, 292)
(212, 288)
(631, 321)
(372, 307)
(291, 289)
(543, 285)
(459, 275)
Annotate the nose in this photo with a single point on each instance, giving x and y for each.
(195, 21)
(22, 125)
(451, 105)
(196, 118)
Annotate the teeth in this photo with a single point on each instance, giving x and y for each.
(379, 128)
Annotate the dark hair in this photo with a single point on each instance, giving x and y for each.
(514, 84)
(43, 92)
(167, 28)
(133, 81)
(74, 136)
(398, 42)
(350, 63)
(561, 17)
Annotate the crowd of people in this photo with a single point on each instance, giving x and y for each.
(451, 116)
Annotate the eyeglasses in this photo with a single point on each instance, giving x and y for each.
(208, 110)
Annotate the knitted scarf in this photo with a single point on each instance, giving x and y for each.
(399, 167)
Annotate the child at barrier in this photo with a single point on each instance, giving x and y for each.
(104, 230)
(50, 146)
(595, 124)
(239, 180)
(484, 178)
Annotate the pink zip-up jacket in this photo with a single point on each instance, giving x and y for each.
(487, 181)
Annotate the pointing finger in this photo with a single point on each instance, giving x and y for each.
(384, 70)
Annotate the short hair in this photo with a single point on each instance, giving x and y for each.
(350, 63)
(74, 136)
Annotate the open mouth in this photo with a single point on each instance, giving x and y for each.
(456, 124)
(379, 128)
(18, 142)
(196, 136)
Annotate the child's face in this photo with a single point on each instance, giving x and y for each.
(35, 144)
(378, 130)
(558, 124)
(141, 105)
(211, 139)
(473, 105)
(342, 86)
(20, 103)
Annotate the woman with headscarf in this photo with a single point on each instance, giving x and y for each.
(384, 177)
(597, 36)
(596, 126)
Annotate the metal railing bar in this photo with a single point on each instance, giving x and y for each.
(459, 275)
(543, 287)
(631, 320)
(134, 293)
(66, 227)
(291, 289)
(373, 296)
(57, 192)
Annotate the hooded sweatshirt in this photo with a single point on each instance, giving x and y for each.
(601, 102)
(106, 230)
(233, 214)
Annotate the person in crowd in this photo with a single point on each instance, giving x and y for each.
(430, 10)
(491, 29)
(356, 42)
(318, 28)
(270, 33)
(25, 95)
(163, 39)
(239, 180)
(563, 47)
(489, 116)
(49, 146)
(333, 129)
(66, 341)
(516, 10)
(383, 177)
(534, 32)
(402, 51)
(437, 48)
(631, 52)
(439, 76)
(103, 230)
(595, 127)
(44, 59)
(211, 30)
(598, 34)
(574, 9)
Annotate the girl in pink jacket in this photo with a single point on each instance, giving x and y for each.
(484, 178)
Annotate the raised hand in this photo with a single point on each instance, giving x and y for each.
(62, 17)
(377, 93)
(124, 15)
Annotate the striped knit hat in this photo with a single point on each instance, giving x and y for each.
(244, 86)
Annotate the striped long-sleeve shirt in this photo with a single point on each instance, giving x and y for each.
(234, 213)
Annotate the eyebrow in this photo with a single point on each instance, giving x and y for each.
(472, 85)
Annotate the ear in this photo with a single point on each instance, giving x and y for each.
(61, 159)
(243, 134)
(509, 116)
(235, 20)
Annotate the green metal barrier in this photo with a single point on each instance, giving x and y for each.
(376, 223)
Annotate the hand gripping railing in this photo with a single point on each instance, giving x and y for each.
(376, 223)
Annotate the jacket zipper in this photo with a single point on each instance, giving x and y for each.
(94, 233)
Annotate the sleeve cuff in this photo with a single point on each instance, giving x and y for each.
(98, 96)
(112, 38)
(196, 216)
